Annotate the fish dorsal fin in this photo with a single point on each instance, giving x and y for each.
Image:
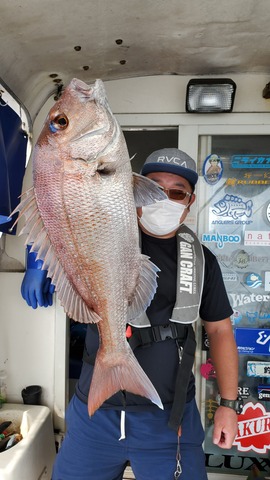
(37, 236)
(145, 289)
(146, 191)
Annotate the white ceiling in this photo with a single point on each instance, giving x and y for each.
(128, 38)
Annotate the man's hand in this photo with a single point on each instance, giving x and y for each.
(225, 427)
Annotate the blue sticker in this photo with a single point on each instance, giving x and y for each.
(252, 341)
(258, 369)
(220, 239)
(264, 392)
(212, 169)
(250, 161)
(236, 317)
(253, 280)
(254, 316)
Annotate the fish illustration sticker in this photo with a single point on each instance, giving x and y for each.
(212, 169)
(233, 207)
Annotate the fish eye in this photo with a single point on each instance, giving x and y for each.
(60, 122)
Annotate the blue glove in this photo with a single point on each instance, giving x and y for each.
(36, 288)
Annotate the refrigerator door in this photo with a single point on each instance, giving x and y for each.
(233, 221)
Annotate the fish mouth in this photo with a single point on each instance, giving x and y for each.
(95, 91)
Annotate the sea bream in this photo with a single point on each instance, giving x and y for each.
(81, 221)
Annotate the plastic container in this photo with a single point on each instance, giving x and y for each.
(32, 395)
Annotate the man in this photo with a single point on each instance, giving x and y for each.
(159, 444)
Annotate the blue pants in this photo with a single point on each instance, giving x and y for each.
(92, 450)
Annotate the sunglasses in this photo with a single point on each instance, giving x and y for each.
(176, 194)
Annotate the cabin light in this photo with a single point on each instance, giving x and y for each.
(215, 95)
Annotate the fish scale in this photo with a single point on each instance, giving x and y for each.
(81, 221)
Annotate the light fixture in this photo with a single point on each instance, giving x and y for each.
(210, 95)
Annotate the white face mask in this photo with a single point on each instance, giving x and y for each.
(162, 217)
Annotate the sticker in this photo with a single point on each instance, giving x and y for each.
(250, 161)
(254, 316)
(233, 207)
(241, 259)
(254, 237)
(268, 212)
(253, 280)
(230, 277)
(253, 429)
(212, 169)
(236, 317)
(264, 392)
(207, 370)
(252, 341)
(242, 299)
(234, 182)
(211, 406)
(219, 239)
(205, 340)
(258, 369)
(244, 392)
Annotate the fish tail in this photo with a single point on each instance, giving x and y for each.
(127, 375)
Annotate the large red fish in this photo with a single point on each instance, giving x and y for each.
(81, 220)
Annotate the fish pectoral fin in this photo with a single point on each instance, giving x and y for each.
(146, 191)
(126, 374)
(37, 236)
(71, 301)
(145, 289)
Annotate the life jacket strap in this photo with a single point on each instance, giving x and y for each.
(182, 380)
(145, 336)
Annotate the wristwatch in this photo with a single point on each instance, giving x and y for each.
(237, 405)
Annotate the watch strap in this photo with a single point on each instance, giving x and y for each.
(236, 405)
